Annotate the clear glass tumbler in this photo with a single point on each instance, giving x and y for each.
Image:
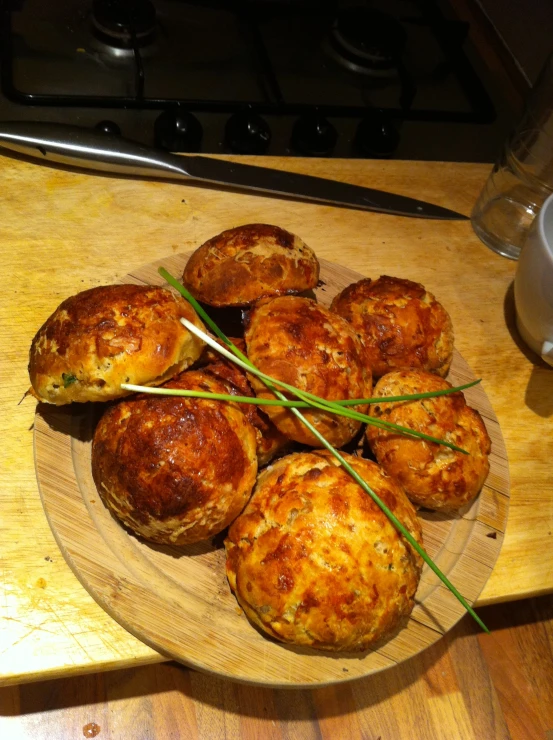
(522, 178)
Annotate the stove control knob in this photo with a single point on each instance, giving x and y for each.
(376, 136)
(313, 136)
(108, 127)
(178, 131)
(247, 133)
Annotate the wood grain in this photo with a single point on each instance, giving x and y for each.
(63, 231)
(178, 600)
(468, 686)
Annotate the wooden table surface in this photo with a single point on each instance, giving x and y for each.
(62, 232)
(467, 686)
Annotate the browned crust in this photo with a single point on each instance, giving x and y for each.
(302, 343)
(401, 324)
(269, 440)
(175, 470)
(313, 561)
(109, 335)
(432, 475)
(240, 265)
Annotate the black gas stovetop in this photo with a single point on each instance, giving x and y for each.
(388, 78)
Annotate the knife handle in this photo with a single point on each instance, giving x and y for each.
(89, 149)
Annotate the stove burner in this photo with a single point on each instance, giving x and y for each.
(248, 76)
(367, 41)
(124, 24)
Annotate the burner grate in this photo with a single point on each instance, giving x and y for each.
(264, 53)
(301, 77)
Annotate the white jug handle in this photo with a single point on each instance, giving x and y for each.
(547, 352)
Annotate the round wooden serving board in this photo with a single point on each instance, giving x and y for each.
(177, 600)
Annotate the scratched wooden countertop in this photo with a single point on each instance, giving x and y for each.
(62, 232)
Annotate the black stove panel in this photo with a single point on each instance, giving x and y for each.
(266, 77)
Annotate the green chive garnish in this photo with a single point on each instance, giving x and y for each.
(68, 379)
(313, 401)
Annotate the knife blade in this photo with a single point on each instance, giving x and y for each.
(95, 150)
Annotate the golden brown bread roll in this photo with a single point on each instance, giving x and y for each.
(314, 561)
(109, 335)
(269, 440)
(401, 324)
(175, 470)
(302, 343)
(432, 475)
(210, 355)
(240, 265)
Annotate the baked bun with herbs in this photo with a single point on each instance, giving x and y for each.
(175, 470)
(313, 561)
(240, 265)
(401, 324)
(433, 476)
(109, 335)
(302, 343)
(269, 440)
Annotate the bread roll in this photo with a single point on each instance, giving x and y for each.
(175, 470)
(110, 335)
(302, 343)
(248, 262)
(401, 324)
(313, 561)
(269, 440)
(432, 475)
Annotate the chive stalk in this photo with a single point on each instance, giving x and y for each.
(309, 398)
(321, 404)
(364, 485)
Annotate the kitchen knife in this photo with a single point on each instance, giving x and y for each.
(96, 150)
